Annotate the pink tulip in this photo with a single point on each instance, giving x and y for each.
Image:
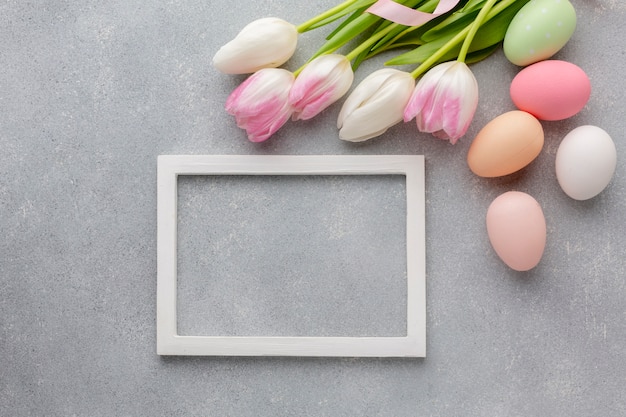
(322, 82)
(444, 101)
(261, 103)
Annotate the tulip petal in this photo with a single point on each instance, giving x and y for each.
(260, 104)
(375, 105)
(425, 93)
(363, 92)
(321, 83)
(444, 101)
(315, 106)
(263, 43)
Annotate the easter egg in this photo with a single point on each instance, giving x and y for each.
(506, 144)
(539, 30)
(551, 90)
(585, 162)
(517, 230)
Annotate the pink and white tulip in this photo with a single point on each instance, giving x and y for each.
(263, 43)
(375, 105)
(261, 103)
(321, 83)
(444, 101)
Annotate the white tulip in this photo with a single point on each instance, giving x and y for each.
(263, 43)
(375, 105)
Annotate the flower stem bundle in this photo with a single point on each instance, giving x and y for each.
(424, 34)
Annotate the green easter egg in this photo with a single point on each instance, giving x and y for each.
(539, 30)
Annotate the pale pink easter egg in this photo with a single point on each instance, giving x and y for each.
(517, 230)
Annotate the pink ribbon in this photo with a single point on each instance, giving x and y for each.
(398, 13)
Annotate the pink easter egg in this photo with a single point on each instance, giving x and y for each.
(551, 90)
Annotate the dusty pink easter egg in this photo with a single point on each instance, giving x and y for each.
(517, 230)
(551, 90)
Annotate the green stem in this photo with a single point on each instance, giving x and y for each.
(299, 70)
(362, 47)
(382, 33)
(424, 66)
(370, 41)
(328, 13)
(474, 28)
(427, 7)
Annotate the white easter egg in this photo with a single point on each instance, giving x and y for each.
(585, 162)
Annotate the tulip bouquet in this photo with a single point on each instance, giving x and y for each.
(439, 37)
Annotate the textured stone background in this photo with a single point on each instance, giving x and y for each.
(92, 91)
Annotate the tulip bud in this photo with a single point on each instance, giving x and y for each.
(263, 43)
(261, 103)
(444, 101)
(322, 82)
(375, 105)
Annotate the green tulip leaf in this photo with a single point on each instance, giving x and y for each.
(421, 53)
(490, 34)
(453, 24)
(479, 55)
(358, 13)
(473, 5)
(353, 28)
(359, 6)
(494, 30)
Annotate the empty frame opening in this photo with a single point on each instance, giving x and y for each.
(292, 255)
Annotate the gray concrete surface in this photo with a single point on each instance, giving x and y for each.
(92, 91)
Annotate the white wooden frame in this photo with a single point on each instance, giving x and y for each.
(168, 340)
